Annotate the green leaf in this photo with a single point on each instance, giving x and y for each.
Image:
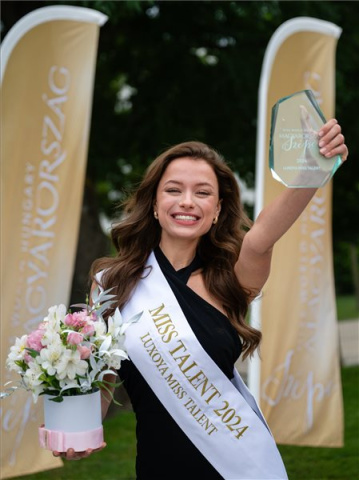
(58, 399)
(33, 353)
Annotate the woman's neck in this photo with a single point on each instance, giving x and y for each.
(179, 254)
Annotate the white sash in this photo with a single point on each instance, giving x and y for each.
(220, 417)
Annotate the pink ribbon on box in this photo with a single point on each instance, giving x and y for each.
(61, 441)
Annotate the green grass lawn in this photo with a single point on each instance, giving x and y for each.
(346, 307)
(116, 461)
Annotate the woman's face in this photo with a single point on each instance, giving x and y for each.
(187, 200)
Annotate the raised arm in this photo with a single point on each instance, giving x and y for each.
(253, 265)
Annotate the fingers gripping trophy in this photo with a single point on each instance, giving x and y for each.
(295, 156)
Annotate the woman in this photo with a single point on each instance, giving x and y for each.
(187, 211)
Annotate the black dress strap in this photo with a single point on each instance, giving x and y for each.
(182, 274)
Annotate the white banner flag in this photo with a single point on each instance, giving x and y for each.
(48, 62)
(298, 380)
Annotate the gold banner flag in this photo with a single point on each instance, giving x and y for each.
(298, 382)
(48, 66)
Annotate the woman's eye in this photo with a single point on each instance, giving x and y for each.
(172, 190)
(203, 193)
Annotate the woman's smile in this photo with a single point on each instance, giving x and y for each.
(187, 199)
(185, 218)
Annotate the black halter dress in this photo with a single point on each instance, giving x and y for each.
(163, 450)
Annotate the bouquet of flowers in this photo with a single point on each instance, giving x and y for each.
(70, 353)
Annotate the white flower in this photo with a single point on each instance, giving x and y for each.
(114, 324)
(49, 357)
(32, 380)
(100, 328)
(105, 345)
(17, 352)
(70, 365)
(67, 383)
(115, 358)
(117, 326)
(111, 354)
(55, 315)
(57, 367)
(86, 383)
(120, 343)
(50, 337)
(97, 363)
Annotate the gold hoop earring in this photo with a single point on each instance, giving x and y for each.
(155, 214)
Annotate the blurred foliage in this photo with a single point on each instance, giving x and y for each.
(342, 268)
(172, 71)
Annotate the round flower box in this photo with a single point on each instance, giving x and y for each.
(73, 423)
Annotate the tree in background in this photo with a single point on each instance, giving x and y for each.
(169, 72)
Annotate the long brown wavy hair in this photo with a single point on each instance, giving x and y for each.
(139, 233)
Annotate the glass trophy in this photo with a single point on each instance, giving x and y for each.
(294, 156)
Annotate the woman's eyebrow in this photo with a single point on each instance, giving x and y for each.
(199, 184)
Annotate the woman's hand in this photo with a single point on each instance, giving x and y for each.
(72, 455)
(332, 141)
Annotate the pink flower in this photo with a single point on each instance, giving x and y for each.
(74, 338)
(88, 329)
(85, 352)
(77, 319)
(34, 339)
(69, 320)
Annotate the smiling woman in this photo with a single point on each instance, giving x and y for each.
(187, 204)
(190, 261)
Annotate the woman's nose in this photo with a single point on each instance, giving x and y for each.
(186, 200)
